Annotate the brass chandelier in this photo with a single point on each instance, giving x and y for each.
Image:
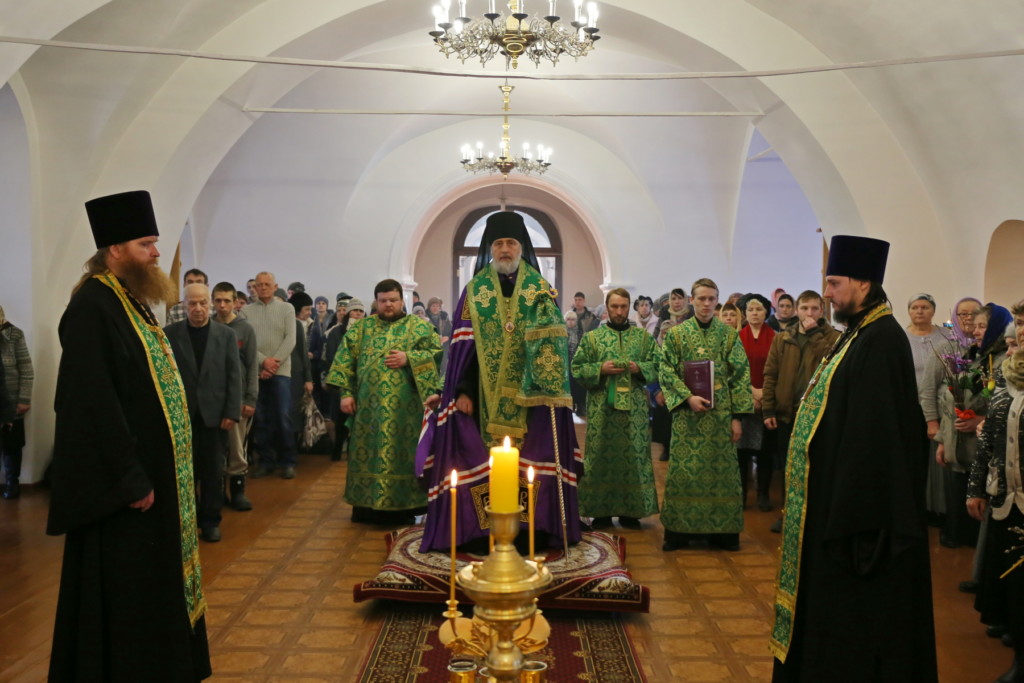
(475, 161)
(515, 33)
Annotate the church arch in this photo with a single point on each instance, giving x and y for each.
(1003, 263)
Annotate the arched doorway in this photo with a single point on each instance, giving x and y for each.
(547, 244)
(1002, 265)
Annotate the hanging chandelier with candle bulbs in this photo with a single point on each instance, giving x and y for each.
(536, 160)
(513, 33)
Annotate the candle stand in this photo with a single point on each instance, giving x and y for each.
(503, 588)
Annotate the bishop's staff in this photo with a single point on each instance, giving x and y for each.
(561, 494)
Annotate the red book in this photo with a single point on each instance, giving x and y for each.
(699, 376)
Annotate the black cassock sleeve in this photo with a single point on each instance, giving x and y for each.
(96, 466)
(874, 453)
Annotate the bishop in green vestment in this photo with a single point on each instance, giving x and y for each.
(614, 363)
(385, 370)
(703, 496)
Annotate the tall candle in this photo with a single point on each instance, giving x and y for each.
(455, 479)
(530, 505)
(490, 529)
(504, 482)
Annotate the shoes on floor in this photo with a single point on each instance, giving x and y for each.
(261, 471)
(211, 534)
(1006, 640)
(728, 542)
(764, 504)
(601, 523)
(968, 587)
(675, 540)
(947, 542)
(995, 631)
(776, 527)
(288, 473)
(629, 522)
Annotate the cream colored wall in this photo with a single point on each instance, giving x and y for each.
(1004, 277)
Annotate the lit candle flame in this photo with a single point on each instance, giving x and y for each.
(455, 478)
(529, 474)
(507, 443)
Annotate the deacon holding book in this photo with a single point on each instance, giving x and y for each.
(705, 378)
(854, 597)
(614, 363)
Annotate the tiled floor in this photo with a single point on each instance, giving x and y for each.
(280, 593)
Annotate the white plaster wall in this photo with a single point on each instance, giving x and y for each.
(776, 240)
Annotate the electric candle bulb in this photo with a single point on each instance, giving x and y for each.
(592, 10)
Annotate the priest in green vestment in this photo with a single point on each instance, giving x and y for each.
(384, 370)
(703, 496)
(614, 363)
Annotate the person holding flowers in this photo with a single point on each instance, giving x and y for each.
(970, 380)
(995, 490)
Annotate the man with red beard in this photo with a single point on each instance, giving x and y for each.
(131, 604)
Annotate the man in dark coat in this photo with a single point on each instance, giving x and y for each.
(131, 604)
(207, 355)
(854, 600)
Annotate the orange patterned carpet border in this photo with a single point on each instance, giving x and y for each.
(583, 647)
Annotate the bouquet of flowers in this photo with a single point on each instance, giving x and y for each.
(959, 378)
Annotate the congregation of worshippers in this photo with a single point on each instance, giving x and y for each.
(711, 382)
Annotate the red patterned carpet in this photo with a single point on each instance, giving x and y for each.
(595, 578)
(583, 647)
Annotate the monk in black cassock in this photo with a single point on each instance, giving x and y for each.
(854, 600)
(131, 604)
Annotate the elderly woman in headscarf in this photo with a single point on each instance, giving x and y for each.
(677, 311)
(644, 316)
(995, 487)
(957, 423)
(926, 340)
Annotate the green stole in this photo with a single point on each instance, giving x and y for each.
(169, 388)
(522, 348)
(808, 417)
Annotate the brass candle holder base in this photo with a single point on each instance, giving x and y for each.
(506, 622)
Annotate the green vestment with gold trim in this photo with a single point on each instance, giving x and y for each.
(702, 491)
(522, 349)
(389, 408)
(619, 477)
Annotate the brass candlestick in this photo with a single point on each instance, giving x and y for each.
(503, 589)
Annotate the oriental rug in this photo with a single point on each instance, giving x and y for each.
(583, 647)
(595, 577)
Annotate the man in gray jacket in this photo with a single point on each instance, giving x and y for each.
(207, 357)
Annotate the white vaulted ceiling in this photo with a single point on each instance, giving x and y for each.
(926, 155)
